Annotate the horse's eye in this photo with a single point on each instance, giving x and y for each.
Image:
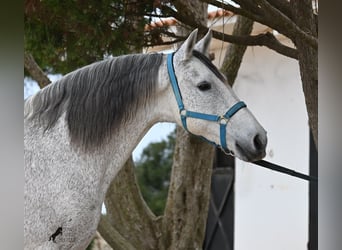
(203, 86)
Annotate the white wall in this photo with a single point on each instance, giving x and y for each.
(271, 211)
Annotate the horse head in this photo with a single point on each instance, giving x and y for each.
(207, 106)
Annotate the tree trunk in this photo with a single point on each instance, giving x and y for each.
(186, 211)
(234, 52)
(308, 61)
(184, 221)
(131, 219)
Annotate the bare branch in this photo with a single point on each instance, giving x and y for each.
(173, 35)
(131, 214)
(282, 6)
(286, 25)
(35, 71)
(112, 236)
(266, 39)
(263, 12)
(163, 43)
(235, 10)
(153, 37)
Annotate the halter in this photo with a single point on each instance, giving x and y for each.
(221, 119)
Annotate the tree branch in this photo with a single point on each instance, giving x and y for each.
(235, 10)
(283, 6)
(163, 43)
(286, 25)
(263, 12)
(171, 34)
(131, 215)
(112, 236)
(266, 39)
(187, 204)
(153, 37)
(35, 71)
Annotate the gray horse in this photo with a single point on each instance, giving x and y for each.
(80, 130)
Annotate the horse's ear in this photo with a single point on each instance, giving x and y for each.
(187, 47)
(203, 45)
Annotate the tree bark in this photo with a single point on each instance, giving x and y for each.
(308, 61)
(234, 52)
(130, 218)
(112, 236)
(35, 71)
(264, 12)
(265, 39)
(186, 211)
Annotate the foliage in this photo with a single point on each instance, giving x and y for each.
(64, 35)
(153, 172)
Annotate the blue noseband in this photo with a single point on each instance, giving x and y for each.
(222, 120)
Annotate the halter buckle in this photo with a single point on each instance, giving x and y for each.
(182, 112)
(223, 120)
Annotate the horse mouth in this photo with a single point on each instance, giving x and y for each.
(249, 155)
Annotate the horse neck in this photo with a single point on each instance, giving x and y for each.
(126, 138)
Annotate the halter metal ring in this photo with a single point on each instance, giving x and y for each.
(223, 120)
(182, 112)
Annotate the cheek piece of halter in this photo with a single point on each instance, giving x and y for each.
(222, 120)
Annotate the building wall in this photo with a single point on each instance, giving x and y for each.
(271, 209)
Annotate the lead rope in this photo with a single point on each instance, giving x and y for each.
(284, 170)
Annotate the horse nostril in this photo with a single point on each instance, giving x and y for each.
(258, 143)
